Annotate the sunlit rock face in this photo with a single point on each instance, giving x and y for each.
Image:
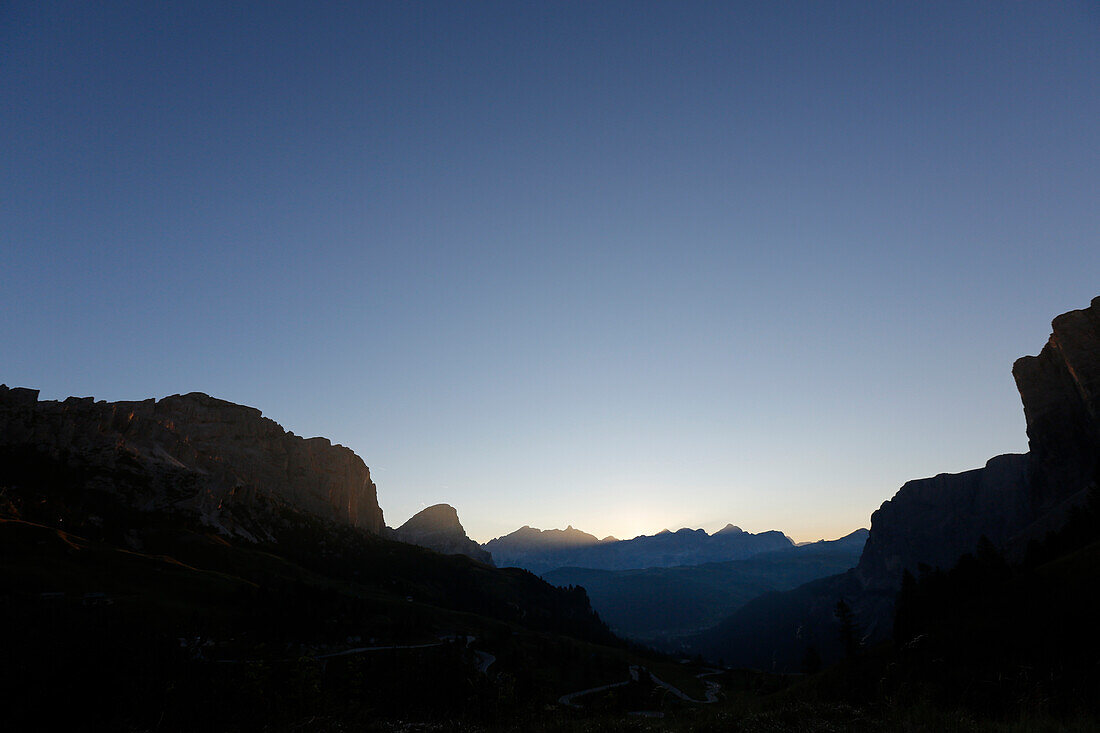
(193, 454)
(438, 528)
(1060, 389)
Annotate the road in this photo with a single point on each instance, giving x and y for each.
(568, 699)
(361, 649)
(711, 695)
(484, 659)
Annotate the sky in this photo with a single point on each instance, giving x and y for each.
(625, 266)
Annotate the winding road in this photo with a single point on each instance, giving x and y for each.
(711, 695)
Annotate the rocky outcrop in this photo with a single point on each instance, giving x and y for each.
(934, 521)
(437, 528)
(1060, 390)
(190, 453)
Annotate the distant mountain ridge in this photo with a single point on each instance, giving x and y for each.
(543, 550)
(437, 528)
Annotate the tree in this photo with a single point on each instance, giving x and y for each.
(849, 630)
(811, 660)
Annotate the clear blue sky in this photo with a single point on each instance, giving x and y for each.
(620, 265)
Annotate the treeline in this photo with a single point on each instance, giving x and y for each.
(996, 636)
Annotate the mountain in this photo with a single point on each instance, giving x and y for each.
(187, 559)
(542, 551)
(528, 547)
(222, 464)
(658, 605)
(438, 528)
(1013, 502)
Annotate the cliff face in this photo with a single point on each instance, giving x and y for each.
(193, 453)
(438, 528)
(934, 521)
(1060, 390)
(937, 520)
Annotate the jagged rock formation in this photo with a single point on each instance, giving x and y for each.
(190, 454)
(1015, 497)
(438, 528)
(542, 551)
(1060, 390)
(934, 521)
(937, 520)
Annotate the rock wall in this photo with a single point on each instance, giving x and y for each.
(1060, 390)
(934, 521)
(937, 520)
(198, 454)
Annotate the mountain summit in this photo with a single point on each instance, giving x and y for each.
(437, 528)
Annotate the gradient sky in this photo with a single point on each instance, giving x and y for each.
(624, 266)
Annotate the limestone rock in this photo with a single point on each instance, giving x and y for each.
(1060, 390)
(935, 521)
(193, 453)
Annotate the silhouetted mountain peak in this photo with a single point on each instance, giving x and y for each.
(729, 529)
(437, 528)
(436, 518)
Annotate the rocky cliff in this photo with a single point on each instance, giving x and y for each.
(438, 528)
(1060, 390)
(935, 521)
(1014, 497)
(187, 453)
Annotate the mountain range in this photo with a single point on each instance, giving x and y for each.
(543, 550)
